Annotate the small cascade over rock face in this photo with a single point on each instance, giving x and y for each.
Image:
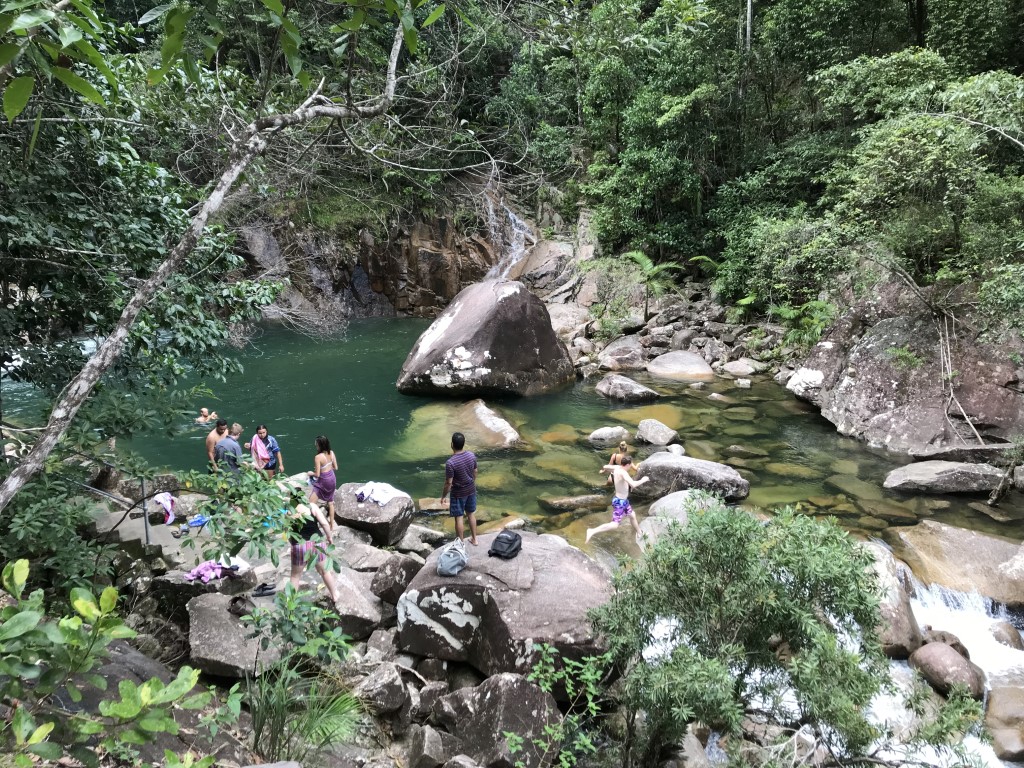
(510, 235)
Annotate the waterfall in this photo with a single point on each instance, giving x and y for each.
(510, 234)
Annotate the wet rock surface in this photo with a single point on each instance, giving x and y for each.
(624, 388)
(944, 477)
(669, 473)
(943, 667)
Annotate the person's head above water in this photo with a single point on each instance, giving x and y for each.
(623, 447)
(625, 461)
(458, 441)
(323, 445)
(204, 412)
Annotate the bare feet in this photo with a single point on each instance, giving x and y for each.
(590, 534)
(474, 542)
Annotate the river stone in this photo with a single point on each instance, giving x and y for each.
(654, 432)
(742, 367)
(495, 338)
(676, 449)
(681, 366)
(386, 525)
(670, 473)
(855, 487)
(624, 388)
(572, 503)
(495, 612)
(1004, 720)
(792, 470)
(745, 452)
(675, 507)
(421, 540)
(391, 579)
(354, 550)
(944, 477)
(901, 634)
(625, 354)
(608, 435)
(744, 383)
(429, 748)
(930, 635)
(1004, 632)
(960, 559)
(943, 668)
(173, 593)
(219, 643)
(504, 703)
(358, 609)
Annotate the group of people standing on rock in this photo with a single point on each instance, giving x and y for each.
(224, 453)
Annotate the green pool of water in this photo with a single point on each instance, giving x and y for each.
(344, 388)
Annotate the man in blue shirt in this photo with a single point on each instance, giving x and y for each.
(460, 480)
(228, 453)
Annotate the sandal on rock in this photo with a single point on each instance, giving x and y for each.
(241, 605)
(264, 590)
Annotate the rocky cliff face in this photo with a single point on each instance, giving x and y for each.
(879, 375)
(416, 271)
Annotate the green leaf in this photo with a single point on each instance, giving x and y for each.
(69, 35)
(86, 10)
(15, 574)
(23, 622)
(40, 733)
(7, 53)
(108, 600)
(17, 95)
(47, 749)
(96, 59)
(79, 85)
(31, 19)
(154, 13)
(434, 16)
(274, 6)
(84, 603)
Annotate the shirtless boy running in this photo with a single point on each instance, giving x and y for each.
(621, 508)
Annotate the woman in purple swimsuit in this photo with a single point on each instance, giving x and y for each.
(322, 477)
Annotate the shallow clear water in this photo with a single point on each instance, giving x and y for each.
(344, 388)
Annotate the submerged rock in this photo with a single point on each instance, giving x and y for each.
(669, 473)
(430, 428)
(572, 503)
(495, 338)
(608, 435)
(944, 477)
(495, 612)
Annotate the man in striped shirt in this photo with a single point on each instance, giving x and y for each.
(460, 480)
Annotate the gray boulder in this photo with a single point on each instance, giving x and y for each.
(420, 540)
(360, 611)
(963, 560)
(654, 432)
(382, 691)
(901, 634)
(944, 477)
(681, 366)
(674, 508)
(505, 703)
(353, 549)
(1004, 632)
(542, 264)
(569, 319)
(172, 593)
(743, 367)
(219, 643)
(495, 338)
(624, 388)
(1004, 720)
(429, 748)
(943, 668)
(607, 435)
(668, 473)
(495, 612)
(625, 354)
(391, 579)
(386, 524)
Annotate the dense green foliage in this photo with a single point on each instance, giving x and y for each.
(730, 621)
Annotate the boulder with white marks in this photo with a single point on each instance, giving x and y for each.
(495, 338)
(495, 612)
(624, 388)
(668, 473)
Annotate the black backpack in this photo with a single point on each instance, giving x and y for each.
(506, 545)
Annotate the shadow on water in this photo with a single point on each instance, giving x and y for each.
(344, 388)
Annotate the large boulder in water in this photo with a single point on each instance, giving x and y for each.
(944, 477)
(943, 668)
(495, 338)
(495, 612)
(901, 634)
(624, 388)
(681, 366)
(960, 559)
(669, 472)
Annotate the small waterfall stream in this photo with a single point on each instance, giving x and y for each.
(510, 234)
